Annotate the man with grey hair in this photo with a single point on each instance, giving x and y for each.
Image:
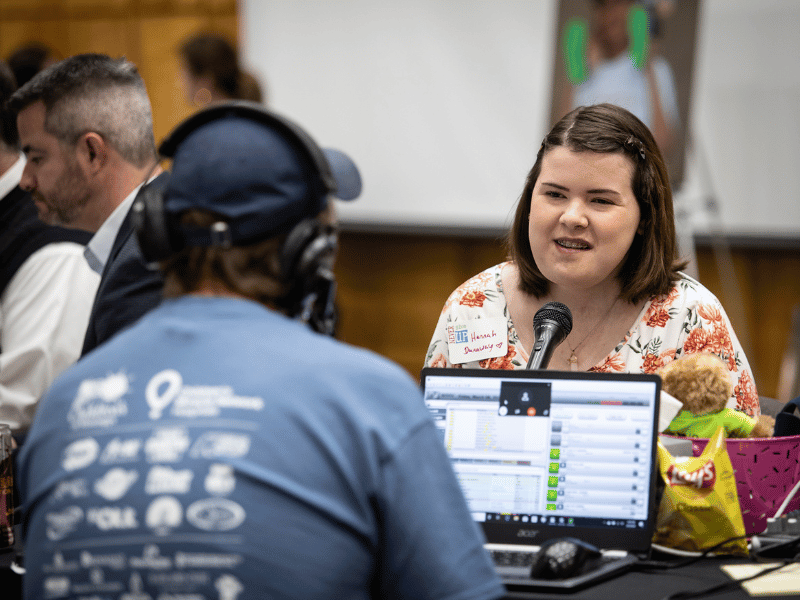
(86, 127)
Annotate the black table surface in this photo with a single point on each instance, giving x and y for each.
(10, 582)
(657, 584)
(633, 585)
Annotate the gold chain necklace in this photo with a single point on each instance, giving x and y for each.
(573, 360)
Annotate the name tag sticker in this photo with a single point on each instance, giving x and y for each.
(477, 339)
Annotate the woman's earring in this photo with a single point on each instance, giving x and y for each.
(202, 97)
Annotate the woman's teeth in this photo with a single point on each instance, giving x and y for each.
(572, 245)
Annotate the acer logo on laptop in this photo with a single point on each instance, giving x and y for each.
(527, 533)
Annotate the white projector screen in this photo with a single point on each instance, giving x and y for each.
(443, 105)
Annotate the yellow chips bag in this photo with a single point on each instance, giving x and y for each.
(700, 505)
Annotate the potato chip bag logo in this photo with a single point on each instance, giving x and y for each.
(704, 477)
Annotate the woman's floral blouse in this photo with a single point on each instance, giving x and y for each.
(688, 320)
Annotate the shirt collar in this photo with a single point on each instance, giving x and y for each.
(98, 249)
(11, 178)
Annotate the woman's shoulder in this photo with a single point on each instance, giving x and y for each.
(685, 301)
(487, 280)
(486, 285)
(687, 307)
(694, 291)
(686, 291)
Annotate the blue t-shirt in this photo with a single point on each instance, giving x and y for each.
(218, 450)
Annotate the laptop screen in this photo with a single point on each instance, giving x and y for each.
(544, 454)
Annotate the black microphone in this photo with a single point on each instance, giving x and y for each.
(551, 326)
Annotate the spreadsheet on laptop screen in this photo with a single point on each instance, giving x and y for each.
(548, 450)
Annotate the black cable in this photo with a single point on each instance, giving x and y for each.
(662, 565)
(778, 550)
(735, 583)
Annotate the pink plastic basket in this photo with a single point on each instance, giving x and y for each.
(766, 469)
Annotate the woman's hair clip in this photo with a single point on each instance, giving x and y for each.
(636, 145)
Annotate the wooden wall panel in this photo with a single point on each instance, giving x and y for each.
(160, 65)
(112, 36)
(14, 33)
(392, 288)
(160, 68)
(31, 6)
(147, 32)
(189, 6)
(770, 284)
(84, 6)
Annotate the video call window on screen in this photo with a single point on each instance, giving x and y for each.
(524, 399)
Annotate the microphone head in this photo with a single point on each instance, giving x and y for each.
(556, 312)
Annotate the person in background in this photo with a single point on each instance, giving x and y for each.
(623, 68)
(46, 287)
(222, 439)
(211, 72)
(87, 130)
(25, 62)
(594, 229)
(30, 58)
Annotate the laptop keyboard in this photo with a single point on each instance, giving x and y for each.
(507, 558)
(515, 565)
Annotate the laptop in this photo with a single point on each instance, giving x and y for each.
(552, 454)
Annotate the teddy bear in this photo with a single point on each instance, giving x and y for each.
(702, 382)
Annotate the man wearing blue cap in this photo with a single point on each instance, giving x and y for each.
(222, 449)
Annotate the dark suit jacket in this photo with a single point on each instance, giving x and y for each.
(22, 233)
(128, 288)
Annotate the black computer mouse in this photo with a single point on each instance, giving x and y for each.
(560, 558)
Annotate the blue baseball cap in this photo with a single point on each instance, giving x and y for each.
(259, 171)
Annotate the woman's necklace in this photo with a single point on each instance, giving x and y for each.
(573, 360)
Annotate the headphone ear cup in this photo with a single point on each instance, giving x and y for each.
(150, 223)
(307, 248)
(306, 261)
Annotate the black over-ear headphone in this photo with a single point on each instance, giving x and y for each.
(786, 422)
(306, 256)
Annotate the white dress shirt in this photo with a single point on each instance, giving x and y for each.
(99, 247)
(44, 311)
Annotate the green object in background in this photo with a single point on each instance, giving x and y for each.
(574, 41)
(639, 36)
